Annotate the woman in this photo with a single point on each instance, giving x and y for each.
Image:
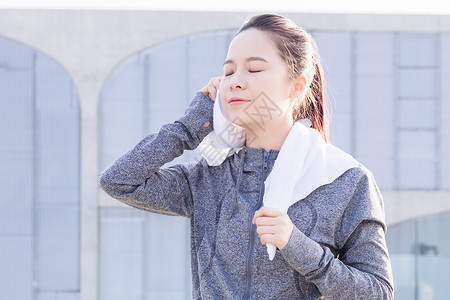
(330, 245)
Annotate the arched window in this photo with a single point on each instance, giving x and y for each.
(39, 176)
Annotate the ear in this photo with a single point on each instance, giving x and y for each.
(299, 87)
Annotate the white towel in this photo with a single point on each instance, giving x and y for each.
(304, 163)
(226, 138)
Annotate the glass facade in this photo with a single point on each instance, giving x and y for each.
(420, 254)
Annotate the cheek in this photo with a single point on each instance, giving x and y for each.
(225, 106)
(223, 100)
(267, 83)
(224, 82)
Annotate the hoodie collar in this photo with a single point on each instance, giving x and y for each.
(253, 158)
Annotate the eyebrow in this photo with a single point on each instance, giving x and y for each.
(253, 58)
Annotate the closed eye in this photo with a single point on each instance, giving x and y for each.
(250, 71)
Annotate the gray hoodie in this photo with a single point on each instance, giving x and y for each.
(337, 249)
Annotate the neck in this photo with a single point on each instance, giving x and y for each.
(270, 138)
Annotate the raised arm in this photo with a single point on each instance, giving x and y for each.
(137, 179)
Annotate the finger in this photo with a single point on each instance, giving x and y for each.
(266, 230)
(271, 212)
(266, 212)
(266, 221)
(212, 92)
(256, 216)
(269, 238)
(259, 213)
(216, 82)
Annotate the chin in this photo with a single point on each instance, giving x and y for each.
(241, 120)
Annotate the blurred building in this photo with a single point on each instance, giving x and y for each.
(80, 88)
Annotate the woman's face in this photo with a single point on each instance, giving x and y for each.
(254, 71)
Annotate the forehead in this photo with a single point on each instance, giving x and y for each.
(252, 42)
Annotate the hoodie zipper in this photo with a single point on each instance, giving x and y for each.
(252, 229)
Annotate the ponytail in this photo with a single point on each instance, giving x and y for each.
(314, 106)
(316, 98)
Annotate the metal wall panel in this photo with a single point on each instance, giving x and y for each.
(58, 296)
(142, 256)
(16, 172)
(335, 49)
(416, 159)
(54, 87)
(417, 114)
(122, 257)
(374, 111)
(168, 258)
(121, 110)
(58, 152)
(418, 94)
(207, 53)
(16, 131)
(444, 113)
(168, 69)
(417, 83)
(167, 83)
(16, 272)
(58, 247)
(57, 219)
(417, 50)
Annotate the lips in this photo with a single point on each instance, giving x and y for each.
(237, 100)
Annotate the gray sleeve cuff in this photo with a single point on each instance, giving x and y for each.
(199, 111)
(302, 253)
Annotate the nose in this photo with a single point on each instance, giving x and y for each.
(237, 81)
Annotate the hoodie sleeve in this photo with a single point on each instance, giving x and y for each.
(363, 269)
(137, 179)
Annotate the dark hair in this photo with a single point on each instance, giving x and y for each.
(299, 51)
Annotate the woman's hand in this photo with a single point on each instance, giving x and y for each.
(273, 226)
(211, 90)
